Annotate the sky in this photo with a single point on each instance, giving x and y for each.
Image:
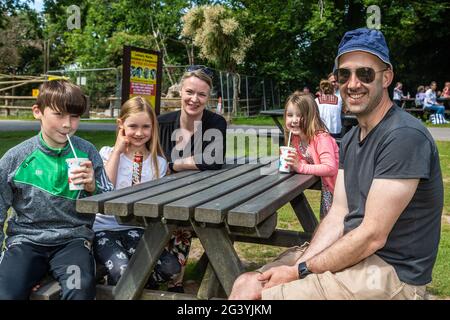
(38, 5)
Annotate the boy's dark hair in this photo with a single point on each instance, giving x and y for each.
(62, 96)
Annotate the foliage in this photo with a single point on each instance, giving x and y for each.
(217, 33)
(20, 44)
(291, 41)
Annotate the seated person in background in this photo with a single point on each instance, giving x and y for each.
(430, 103)
(329, 108)
(398, 94)
(45, 233)
(420, 96)
(446, 90)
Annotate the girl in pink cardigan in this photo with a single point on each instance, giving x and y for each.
(316, 150)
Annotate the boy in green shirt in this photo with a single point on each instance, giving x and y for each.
(44, 232)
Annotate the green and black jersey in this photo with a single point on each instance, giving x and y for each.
(34, 183)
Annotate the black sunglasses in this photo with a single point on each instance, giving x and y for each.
(204, 69)
(364, 74)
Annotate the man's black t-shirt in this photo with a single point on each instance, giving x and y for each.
(399, 147)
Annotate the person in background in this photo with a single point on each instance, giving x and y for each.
(329, 108)
(420, 96)
(398, 94)
(430, 103)
(446, 90)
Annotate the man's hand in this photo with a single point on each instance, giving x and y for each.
(247, 287)
(278, 275)
(85, 175)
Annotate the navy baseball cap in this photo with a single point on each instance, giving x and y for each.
(367, 40)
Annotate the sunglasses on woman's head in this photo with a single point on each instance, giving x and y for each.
(364, 74)
(204, 69)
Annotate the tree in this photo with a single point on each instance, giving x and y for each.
(217, 33)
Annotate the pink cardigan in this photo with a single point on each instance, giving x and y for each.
(325, 153)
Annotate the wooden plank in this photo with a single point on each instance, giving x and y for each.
(183, 209)
(150, 247)
(221, 254)
(49, 291)
(262, 230)
(256, 210)
(279, 238)
(215, 211)
(153, 206)
(95, 204)
(123, 206)
(305, 214)
(105, 292)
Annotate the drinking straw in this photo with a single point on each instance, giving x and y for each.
(289, 140)
(73, 150)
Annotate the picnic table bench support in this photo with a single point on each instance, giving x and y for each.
(210, 286)
(304, 213)
(221, 254)
(132, 282)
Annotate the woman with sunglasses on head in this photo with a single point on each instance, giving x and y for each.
(185, 135)
(183, 131)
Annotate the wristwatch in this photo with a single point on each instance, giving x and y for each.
(303, 270)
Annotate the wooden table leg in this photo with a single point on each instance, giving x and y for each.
(304, 213)
(210, 286)
(221, 254)
(150, 247)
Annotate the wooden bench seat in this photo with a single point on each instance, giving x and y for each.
(51, 290)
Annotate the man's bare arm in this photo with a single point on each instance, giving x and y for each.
(332, 226)
(386, 200)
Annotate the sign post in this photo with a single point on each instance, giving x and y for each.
(142, 75)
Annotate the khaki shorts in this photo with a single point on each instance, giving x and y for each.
(372, 278)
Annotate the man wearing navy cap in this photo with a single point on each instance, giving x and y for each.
(381, 236)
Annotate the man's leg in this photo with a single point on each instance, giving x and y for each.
(22, 266)
(73, 265)
(372, 278)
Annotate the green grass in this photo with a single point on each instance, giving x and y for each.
(255, 121)
(255, 255)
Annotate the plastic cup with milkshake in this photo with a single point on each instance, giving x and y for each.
(284, 151)
(72, 164)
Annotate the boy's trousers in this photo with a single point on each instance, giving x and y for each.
(24, 265)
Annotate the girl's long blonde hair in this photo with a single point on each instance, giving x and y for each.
(311, 123)
(137, 105)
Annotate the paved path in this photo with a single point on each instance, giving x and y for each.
(439, 134)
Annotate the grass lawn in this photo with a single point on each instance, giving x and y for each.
(254, 255)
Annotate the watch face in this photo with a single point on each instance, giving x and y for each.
(303, 270)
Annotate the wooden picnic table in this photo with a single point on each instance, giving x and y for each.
(237, 203)
(408, 103)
